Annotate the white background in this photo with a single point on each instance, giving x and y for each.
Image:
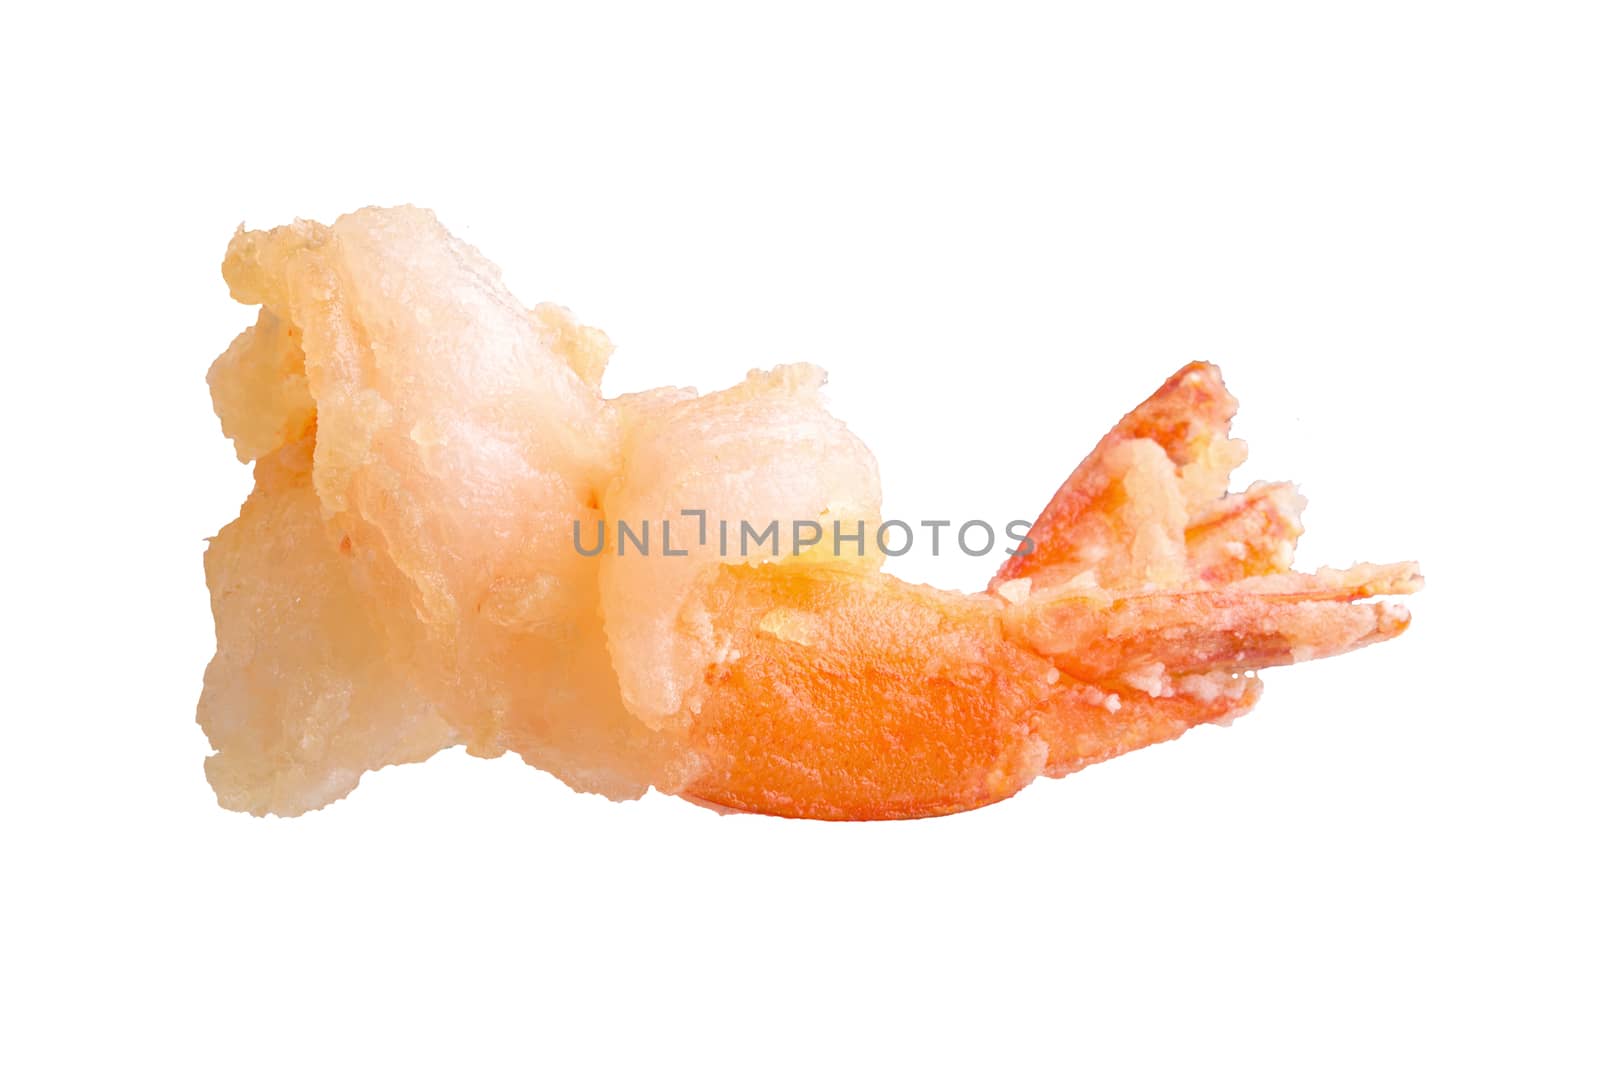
(999, 229)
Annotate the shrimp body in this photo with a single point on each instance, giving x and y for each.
(407, 577)
(827, 689)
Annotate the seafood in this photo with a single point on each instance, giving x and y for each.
(406, 575)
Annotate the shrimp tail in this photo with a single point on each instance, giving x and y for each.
(1155, 592)
(1247, 625)
(1124, 509)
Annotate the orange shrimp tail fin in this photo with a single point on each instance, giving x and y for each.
(1247, 625)
(1143, 668)
(1153, 590)
(1124, 511)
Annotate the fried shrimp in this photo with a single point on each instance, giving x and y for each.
(409, 574)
